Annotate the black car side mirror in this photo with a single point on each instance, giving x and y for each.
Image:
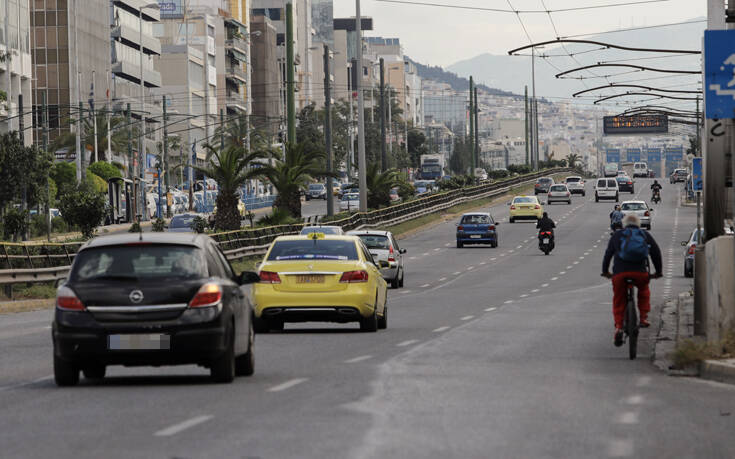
(248, 277)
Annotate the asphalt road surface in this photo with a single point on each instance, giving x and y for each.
(502, 353)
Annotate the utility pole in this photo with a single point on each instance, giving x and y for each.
(108, 109)
(383, 151)
(132, 206)
(526, 119)
(534, 125)
(328, 128)
(362, 171)
(290, 104)
(81, 161)
(94, 119)
(535, 131)
(472, 130)
(165, 158)
(78, 159)
(44, 114)
(477, 130)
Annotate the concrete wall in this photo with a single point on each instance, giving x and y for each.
(720, 286)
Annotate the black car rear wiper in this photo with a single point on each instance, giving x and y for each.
(113, 277)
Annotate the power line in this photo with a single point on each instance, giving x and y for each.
(635, 28)
(513, 10)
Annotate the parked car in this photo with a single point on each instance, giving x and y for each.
(691, 245)
(559, 192)
(606, 188)
(575, 184)
(625, 183)
(350, 202)
(477, 228)
(639, 208)
(383, 246)
(679, 175)
(152, 299)
(316, 191)
(542, 185)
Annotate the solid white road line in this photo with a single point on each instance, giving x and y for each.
(466, 318)
(287, 385)
(180, 427)
(441, 329)
(490, 309)
(35, 381)
(407, 342)
(359, 359)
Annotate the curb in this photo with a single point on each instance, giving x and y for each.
(718, 370)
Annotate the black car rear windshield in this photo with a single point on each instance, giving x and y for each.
(544, 180)
(319, 249)
(139, 262)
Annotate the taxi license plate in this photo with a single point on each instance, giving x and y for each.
(139, 342)
(310, 279)
(475, 236)
(546, 240)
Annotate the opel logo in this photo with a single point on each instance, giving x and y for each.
(310, 267)
(136, 296)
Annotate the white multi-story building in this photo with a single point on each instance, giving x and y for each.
(15, 67)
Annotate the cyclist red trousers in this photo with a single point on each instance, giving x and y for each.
(620, 294)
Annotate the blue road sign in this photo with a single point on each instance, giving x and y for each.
(697, 174)
(612, 155)
(633, 154)
(674, 153)
(719, 73)
(654, 155)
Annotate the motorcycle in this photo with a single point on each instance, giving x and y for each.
(656, 198)
(545, 241)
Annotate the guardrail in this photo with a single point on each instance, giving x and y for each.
(41, 262)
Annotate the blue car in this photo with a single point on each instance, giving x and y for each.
(477, 228)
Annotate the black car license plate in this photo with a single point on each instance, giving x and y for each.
(139, 342)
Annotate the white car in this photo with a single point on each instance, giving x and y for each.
(350, 202)
(606, 188)
(575, 184)
(558, 193)
(384, 247)
(639, 208)
(640, 170)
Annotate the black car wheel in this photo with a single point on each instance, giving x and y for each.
(245, 364)
(260, 325)
(276, 325)
(223, 367)
(65, 373)
(95, 371)
(370, 324)
(460, 245)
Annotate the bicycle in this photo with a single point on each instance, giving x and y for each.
(630, 320)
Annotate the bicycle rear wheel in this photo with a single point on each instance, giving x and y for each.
(631, 324)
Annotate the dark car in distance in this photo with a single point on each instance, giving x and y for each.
(625, 183)
(153, 299)
(542, 185)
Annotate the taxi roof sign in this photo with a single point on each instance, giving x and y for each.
(316, 236)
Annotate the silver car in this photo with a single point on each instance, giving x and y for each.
(575, 184)
(559, 193)
(384, 247)
(639, 208)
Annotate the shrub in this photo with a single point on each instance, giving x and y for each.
(159, 225)
(135, 228)
(15, 223)
(104, 170)
(99, 184)
(84, 207)
(279, 216)
(38, 225)
(58, 225)
(199, 224)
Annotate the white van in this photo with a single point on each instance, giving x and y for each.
(640, 170)
(606, 188)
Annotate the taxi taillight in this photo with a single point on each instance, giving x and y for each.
(208, 295)
(67, 300)
(268, 277)
(351, 277)
(691, 249)
(537, 206)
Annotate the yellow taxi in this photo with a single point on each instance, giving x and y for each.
(320, 278)
(336, 188)
(525, 207)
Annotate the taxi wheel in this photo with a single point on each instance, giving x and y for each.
(512, 220)
(383, 320)
(370, 324)
(65, 373)
(245, 364)
(223, 367)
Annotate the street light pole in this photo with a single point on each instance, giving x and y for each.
(328, 128)
(362, 167)
(534, 125)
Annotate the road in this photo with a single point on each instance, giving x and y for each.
(489, 353)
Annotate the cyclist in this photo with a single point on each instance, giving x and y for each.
(616, 218)
(626, 269)
(546, 224)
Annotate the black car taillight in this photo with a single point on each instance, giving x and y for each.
(67, 300)
(208, 295)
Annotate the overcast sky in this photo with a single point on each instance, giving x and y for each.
(443, 36)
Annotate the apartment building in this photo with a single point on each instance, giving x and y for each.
(16, 67)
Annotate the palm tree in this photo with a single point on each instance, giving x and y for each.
(294, 173)
(572, 159)
(379, 185)
(230, 167)
(118, 140)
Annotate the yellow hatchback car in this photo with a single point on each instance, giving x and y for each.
(320, 278)
(525, 207)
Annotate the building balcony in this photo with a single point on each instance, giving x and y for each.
(131, 37)
(234, 72)
(236, 102)
(238, 44)
(131, 72)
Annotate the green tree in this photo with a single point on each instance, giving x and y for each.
(295, 172)
(83, 206)
(416, 146)
(379, 185)
(104, 170)
(572, 159)
(23, 171)
(230, 168)
(461, 160)
(118, 139)
(64, 174)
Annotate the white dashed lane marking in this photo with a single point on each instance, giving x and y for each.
(359, 359)
(287, 385)
(442, 279)
(180, 427)
(407, 342)
(466, 318)
(426, 285)
(490, 309)
(441, 329)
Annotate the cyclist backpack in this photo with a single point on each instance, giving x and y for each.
(634, 247)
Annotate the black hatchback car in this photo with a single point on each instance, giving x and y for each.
(153, 299)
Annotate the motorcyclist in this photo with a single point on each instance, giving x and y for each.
(637, 271)
(546, 224)
(616, 218)
(656, 189)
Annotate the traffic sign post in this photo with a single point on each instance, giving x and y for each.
(719, 73)
(697, 174)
